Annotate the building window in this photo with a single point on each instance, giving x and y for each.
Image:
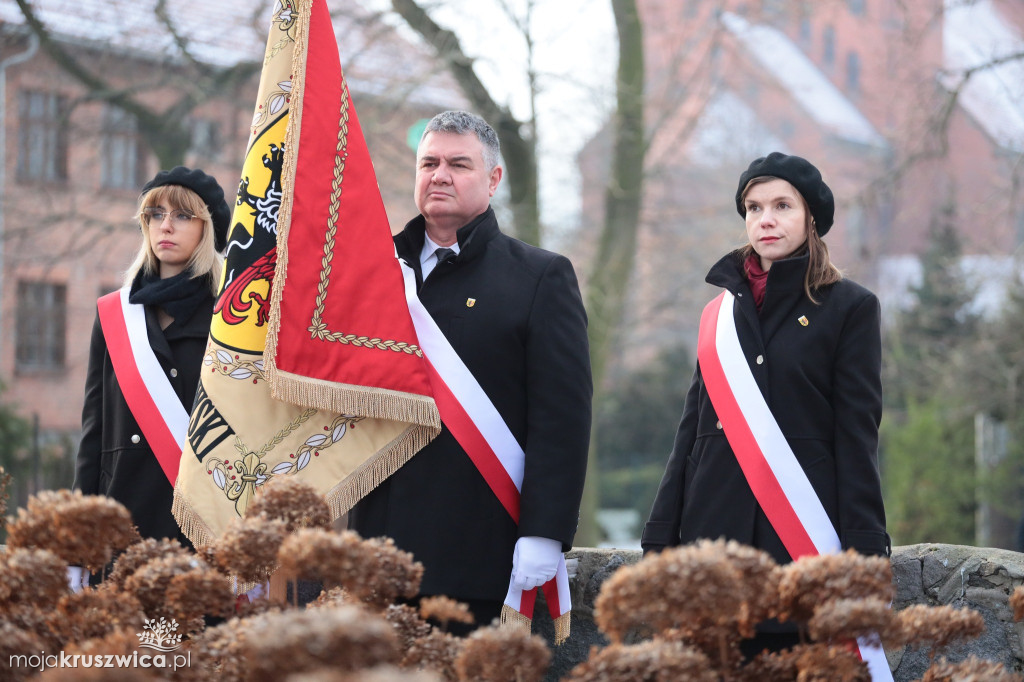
(828, 40)
(853, 72)
(205, 139)
(43, 137)
(857, 7)
(123, 163)
(805, 31)
(40, 326)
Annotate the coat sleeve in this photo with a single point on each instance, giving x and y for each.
(87, 463)
(558, 393)
(662, 527)
(857, 404)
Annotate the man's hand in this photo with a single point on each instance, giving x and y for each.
(535, 561)
(78, 578)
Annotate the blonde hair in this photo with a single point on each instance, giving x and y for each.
(204, 261)
(821, 272)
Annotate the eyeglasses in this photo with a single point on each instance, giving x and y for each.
(155, 217)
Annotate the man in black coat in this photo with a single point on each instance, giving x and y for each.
(514, 315)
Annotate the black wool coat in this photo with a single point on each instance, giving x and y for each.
(514, 315)
(114, 458)
(822, 383)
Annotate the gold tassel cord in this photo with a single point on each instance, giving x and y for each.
(510, 618)
(562, 625)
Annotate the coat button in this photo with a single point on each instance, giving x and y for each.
(135, 438)
(174, 373)
(718, 425)
(760, 359)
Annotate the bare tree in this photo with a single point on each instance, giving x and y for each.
(165, 130)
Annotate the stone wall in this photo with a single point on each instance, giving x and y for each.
(977, 578)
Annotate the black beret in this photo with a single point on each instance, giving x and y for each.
(209, 191)
(800, 173)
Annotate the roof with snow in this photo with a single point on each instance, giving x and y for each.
(975, 35)
(222, 33)
(804, 81)
(729, 133)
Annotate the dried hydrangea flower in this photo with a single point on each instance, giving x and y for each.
(769, 666)
(445, 610)
(41, 623)
(395, 573)
(498, 654)
(150, 581)
(32, 577)
(292, 501)
(845, 619)
(249, 547)
(92, 614)
(812, 580)
(435, 652)
(374, 571)
(98, 675)
(343, 638)
(1017, 603)
(971, 669)
(336, 559)
(140, 554)
(407, 624)
(821, 663)
(16, 642)
(197, 593)
(648, 594)
(335, 596)
(653, 661)
(221, 649)
(381, 673)
(939, 626)
(83, 530)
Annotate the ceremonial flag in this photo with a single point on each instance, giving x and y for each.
(309, 372)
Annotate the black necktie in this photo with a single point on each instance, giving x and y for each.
(444, 254)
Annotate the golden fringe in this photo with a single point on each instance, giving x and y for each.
(377, 403)
(284, 213)
(198, 533)
(373, 471)
(510, 618)
(562, 624)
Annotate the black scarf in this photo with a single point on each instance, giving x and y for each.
(179, 296)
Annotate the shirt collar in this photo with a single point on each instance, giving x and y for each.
(430, 246)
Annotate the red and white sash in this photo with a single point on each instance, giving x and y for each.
(482, 432)
(775, 476)
(146, 389)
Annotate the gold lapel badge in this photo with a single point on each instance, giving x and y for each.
(803, 320)
(470, 302)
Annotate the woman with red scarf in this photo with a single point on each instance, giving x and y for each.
(811, 340)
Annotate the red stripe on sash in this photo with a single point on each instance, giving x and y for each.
(473, 442)
(748, 453)
(115, 331)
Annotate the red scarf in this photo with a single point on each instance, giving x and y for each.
(756, 277)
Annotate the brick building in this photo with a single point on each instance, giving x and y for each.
(906, 107)
(73, 163)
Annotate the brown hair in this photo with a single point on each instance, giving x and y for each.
(204, 261)
(821, 272)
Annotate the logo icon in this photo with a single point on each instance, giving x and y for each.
(160, 635)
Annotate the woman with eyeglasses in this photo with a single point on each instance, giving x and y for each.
(147, 351)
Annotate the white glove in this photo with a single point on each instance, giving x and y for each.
(535, 561)
(78, 578)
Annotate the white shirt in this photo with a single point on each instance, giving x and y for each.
(428, 259)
